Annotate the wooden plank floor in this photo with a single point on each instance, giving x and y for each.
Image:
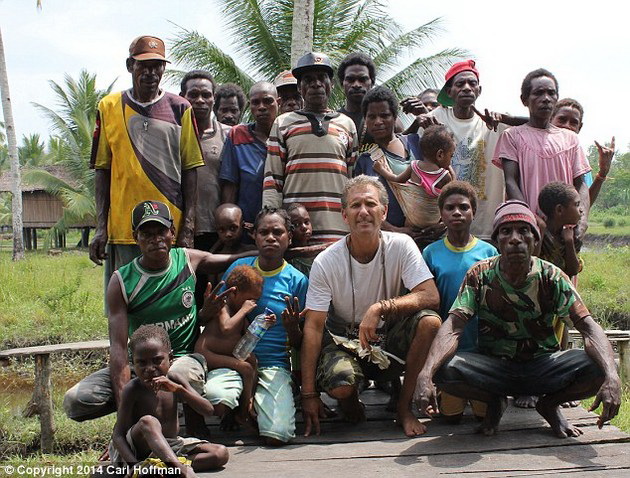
(524, 446)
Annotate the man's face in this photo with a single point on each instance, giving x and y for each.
(364, 212)
(150, 359)
(146, 76)
(465, 89)
(569, 118)
(200, 94)
(379, 120)
(228, 111)
(230, 227)
(264, 107)
(155, 241)
(542, 98)
(315, 86)
(356, 83)
(457, 213)
(429, 100)
(289, 99)
(516, 242)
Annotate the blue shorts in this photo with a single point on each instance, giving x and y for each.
(542, 375)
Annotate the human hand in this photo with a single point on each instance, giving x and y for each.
(380, 166)
(413, 105)
(213, 302)
(291, 316)
(97, 247)
(185, 238)
(312, 410)
(609, 395)
(424, 121)
(248, 306)
(491, 118)
(368, 325)
(164, 383)
(270, 319)
(567, 233)
(425, 395)
(606, 155)
(428, 234)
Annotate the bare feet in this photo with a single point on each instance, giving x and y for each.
(410, 424)
(490, 424)
(560, 426)
(571, 404)
(352, 408)
(187, 472)
(525, 401)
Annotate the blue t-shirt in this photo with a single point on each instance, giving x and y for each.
(365, 165)
(273, 348)
(243, 163)
(449, 265)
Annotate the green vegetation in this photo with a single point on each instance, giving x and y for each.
(614, 221)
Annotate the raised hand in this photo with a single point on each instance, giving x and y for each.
(606, 155)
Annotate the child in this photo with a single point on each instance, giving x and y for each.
(449, 259)
(229, 222)
(302, 231)
(147, 424)
(420, 184)
(221, 335)
(560, 202)
(569, 114)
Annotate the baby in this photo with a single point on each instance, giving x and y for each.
(418, 187)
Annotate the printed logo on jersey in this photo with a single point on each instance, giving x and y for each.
(344, 138)
(187, 298)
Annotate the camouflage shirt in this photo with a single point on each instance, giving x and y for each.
(518, 323)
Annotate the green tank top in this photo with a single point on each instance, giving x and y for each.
(165, 298)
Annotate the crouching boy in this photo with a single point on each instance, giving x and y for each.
(147, 423)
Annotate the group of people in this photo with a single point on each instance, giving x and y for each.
(445, 253)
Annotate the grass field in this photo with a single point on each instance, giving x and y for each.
(52, 299)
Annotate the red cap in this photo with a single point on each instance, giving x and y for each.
(468, 65)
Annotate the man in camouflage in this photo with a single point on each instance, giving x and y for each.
(519, 300)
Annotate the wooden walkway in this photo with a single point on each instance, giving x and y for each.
(524, 446)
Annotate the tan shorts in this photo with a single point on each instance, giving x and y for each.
(450, 405)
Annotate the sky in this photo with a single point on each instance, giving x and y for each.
(585, 47)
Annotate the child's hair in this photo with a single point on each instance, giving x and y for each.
(293, 206)
(458, 187)
(223, 207)
(269, 211)
(553, 194)
(144, 333)
(244, 278)
(570, 103)
(434, 138)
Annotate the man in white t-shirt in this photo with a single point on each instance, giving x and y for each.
(475, 140)
(361, 321)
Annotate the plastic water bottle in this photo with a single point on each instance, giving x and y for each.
(253, 334)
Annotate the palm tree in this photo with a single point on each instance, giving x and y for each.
(73, 124)
(32, 151)
(262, 31)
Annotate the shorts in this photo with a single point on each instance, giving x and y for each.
(337, 367)
(192, 367)
(273, 399)
(181, 447)
(542, 375)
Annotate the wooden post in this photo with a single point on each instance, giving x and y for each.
(43, 398)
(623, 346)
(34, 238)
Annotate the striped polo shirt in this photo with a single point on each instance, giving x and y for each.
(311, 168)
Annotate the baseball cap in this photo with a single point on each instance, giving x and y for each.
(285, 78)
(147, 47)
(468, 65)
(148, 211)
(312, 61)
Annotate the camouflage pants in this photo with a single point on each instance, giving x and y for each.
(337, 367)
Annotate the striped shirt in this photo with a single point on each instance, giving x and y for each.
(309, 169)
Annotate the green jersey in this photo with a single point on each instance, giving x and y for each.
(165, 298)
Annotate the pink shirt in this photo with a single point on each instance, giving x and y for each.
(543, 156)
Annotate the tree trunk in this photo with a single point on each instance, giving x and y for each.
(16, 188)
(302, 32)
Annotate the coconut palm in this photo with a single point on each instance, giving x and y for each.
(73, 124)
(261, 31)
(32, 151)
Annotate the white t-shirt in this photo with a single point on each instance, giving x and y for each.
(330, 282)
(472, 162)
